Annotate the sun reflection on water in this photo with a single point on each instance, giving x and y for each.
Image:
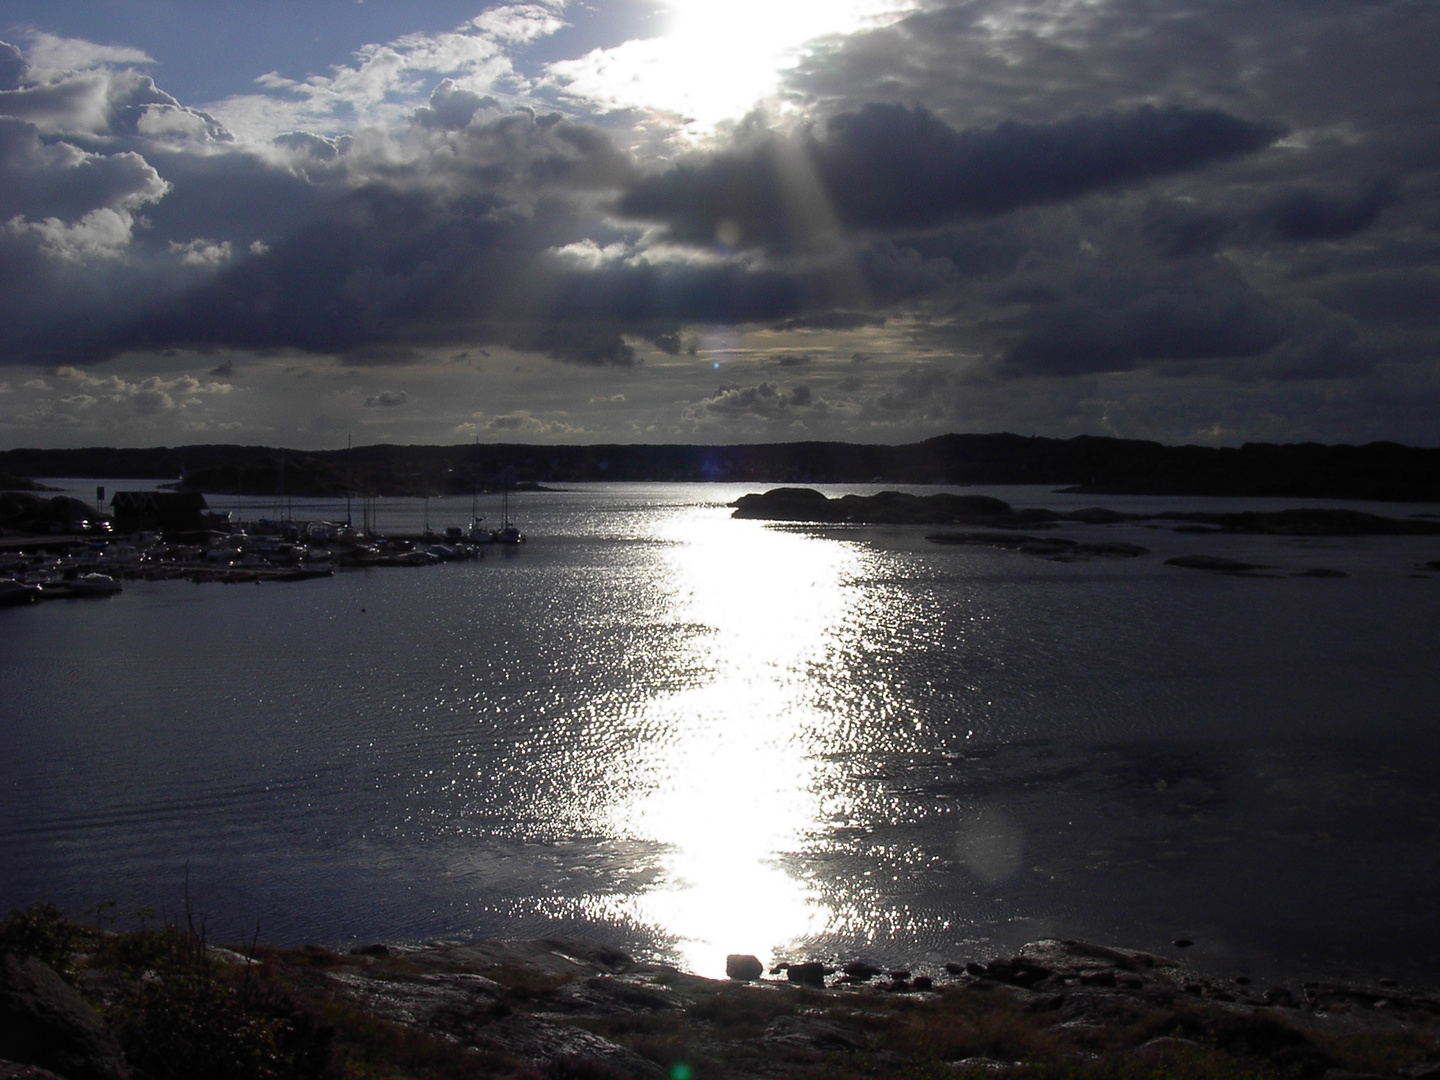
(727, 784)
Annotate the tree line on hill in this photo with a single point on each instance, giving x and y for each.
(1384, 471)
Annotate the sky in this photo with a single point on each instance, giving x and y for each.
(433, 221)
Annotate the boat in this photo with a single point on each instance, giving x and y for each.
(17, 592)
(94, 585)
(509, 532)
(76, 586)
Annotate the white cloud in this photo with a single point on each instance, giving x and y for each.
(49, 54)
(170, 123)
(386, 81)
(100, 234)
(201, 252)
(520, 22)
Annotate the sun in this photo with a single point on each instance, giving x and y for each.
(717, 61)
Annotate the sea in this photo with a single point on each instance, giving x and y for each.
(689, 735)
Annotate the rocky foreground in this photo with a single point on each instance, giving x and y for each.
(163, 1004)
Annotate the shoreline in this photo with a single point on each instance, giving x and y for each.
(569, 1007)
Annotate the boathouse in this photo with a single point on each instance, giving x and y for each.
(166, 511)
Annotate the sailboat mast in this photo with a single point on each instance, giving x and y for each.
(349, 481)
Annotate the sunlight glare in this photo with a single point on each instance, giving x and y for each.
(730, 781)
(719, 60)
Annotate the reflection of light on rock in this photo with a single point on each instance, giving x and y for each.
(990, 844)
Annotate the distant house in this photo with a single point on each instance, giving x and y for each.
(168, 511)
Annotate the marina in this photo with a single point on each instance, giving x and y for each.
(181, 538)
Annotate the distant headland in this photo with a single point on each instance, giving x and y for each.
(1090, 464)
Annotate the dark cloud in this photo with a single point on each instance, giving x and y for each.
(1122, 324)
(1310, 215)
(1047, 205)
(40, 179)
(887, 167)
(12, 66)
(832, 320)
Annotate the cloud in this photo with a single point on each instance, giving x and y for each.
(473, 59)
(764, 400)
(521, 23)
(451, 108)
(52, 54)
(40, 179)
(201, 252)
(1125, 322)
(522, 423)
(887, 167)
(1304, 214)
(100, 234)
(1073, 215)
(833, 320)
(387, 399)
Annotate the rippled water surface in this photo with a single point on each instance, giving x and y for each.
(692, 735)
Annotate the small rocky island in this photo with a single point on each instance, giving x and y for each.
(903, 508)
(164, 1004)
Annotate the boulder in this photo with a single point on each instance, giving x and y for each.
(811, 973)
(44, 1021)
(743, 967)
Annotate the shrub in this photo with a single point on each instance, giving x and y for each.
(43, 932)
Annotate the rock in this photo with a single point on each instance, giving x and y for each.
(813, 1032)
(1017, 971)
(922, 982)
(988, 1064)
(370, 950)
(899, 975)
(954, 968)
(1214, 563)
(811, 973)
(13, 1070)
(743, 967)
(541, 1041)
(44, 1021)
(860, 971)
(885, 508)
